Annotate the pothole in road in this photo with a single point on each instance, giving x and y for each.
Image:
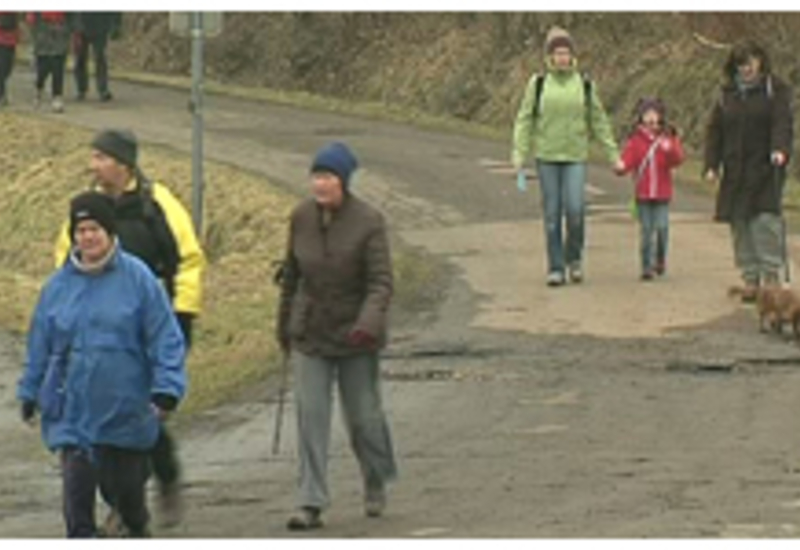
(420, 375)
(736, 366)
(334, 131)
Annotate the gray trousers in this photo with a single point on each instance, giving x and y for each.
(358, 379)
(758, 247)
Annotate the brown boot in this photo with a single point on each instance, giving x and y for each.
(170, 504)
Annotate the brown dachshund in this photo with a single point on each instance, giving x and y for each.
(776, 306)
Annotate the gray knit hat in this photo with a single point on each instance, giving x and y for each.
(558, 38)
(119, 144)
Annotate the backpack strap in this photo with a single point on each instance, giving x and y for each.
(539, 88)
(587, 91)
(169, 256)
(648, 159)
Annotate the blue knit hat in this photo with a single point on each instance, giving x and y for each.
(338, 159)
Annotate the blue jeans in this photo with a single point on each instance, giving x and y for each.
(654, 223)
(563, 187)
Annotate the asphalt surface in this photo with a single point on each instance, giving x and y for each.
(609, 409)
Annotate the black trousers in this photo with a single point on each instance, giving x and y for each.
(7, 54)
(98, 45)
(51, 66)
(164, 459)
(121, 475)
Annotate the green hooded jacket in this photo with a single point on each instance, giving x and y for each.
(562, 130)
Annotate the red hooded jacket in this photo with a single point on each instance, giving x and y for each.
(651, 158)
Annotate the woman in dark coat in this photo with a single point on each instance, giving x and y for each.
(335, 296)
(750, 138)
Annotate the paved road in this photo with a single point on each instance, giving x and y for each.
(611, 409)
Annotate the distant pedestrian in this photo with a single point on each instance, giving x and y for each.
(104, 366)
(335, 296)
(560, 111)
(652, 151)
(51, 35)
(9, 38)
(750, 137)
(93, 30)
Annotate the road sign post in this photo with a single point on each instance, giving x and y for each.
(197, 122)
(198, 26)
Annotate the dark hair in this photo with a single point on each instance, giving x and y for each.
(656, 104)
(741, 53)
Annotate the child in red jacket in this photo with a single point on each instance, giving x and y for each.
(652, 151)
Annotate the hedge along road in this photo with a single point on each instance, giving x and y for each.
(610, 409)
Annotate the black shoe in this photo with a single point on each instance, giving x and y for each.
(106, 96)
(308, 518)
(647, 275)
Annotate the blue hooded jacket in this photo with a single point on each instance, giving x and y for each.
(99, 347)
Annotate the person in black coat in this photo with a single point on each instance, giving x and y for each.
(750, 138)
(94, 29)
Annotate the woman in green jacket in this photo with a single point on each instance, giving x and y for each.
(559, 113)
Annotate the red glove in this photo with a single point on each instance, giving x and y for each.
(361, 339)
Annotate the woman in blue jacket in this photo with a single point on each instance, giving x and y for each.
(105, 361)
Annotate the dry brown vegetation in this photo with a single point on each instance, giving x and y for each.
(470, 66)
(45, 164)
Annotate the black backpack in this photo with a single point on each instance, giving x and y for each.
(540, 80)
(155, 219)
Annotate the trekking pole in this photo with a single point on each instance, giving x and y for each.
(276, 439)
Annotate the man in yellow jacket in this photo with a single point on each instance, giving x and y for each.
(154, 226)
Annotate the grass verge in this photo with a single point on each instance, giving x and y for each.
(45, 164)
(245, 231)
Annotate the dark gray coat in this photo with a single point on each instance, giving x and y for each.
(745, 128)
(337, 279)
(51, 38)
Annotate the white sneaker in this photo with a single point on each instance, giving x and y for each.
(58, 105)
(576, 274)
(555, 278)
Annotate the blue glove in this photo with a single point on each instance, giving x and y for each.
(522, 181)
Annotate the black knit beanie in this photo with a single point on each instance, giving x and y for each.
(119, 144)
(92, 205)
